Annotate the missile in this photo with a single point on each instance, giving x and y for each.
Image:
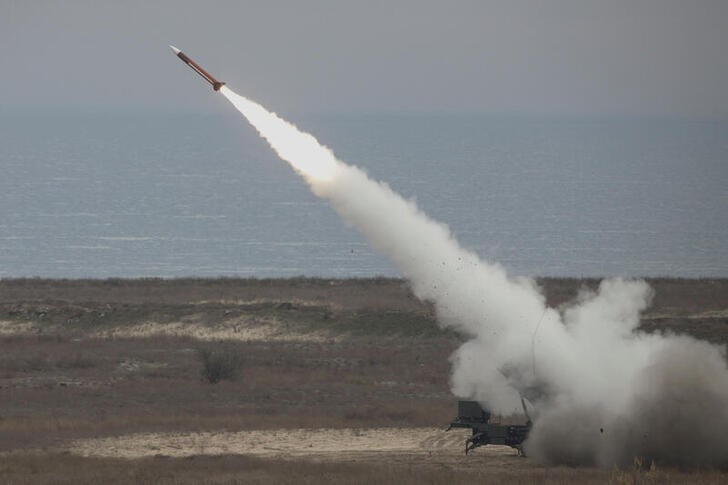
(216, 85)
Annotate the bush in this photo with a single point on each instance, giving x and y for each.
(218, 364)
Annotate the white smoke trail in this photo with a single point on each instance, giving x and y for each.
(587, 361)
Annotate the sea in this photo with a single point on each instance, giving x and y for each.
(181, 195)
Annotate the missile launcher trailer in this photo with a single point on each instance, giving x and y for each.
(472, 415)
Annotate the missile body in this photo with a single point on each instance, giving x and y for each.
(216, 85)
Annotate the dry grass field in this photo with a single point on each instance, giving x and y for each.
(318, 380)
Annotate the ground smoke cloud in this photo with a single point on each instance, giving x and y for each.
(602, 392)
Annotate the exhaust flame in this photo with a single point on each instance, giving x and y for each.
(603, 392)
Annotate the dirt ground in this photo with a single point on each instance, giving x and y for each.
(340, 381)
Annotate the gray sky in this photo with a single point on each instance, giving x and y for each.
(557, 57)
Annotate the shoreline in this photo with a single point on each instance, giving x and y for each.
(118, 366)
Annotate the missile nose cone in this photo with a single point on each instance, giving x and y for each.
(174, 49)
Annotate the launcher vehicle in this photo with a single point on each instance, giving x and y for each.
(472, 415)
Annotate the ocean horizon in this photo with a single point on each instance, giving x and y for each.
(181, 195)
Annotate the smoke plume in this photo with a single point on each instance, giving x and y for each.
(603, 393)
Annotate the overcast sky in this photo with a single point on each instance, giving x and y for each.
(555, 57)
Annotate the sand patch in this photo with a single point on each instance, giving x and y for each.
(237, 329)
(17, 328)
(711, 314)
(240, 329)
(324, 443)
